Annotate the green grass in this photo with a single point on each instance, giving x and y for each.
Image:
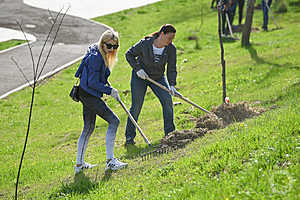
(255, 159)
(10, 43)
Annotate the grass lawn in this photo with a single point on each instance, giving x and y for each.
(10, 43)
(254, 159)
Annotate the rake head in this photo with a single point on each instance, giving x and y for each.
(157, 152)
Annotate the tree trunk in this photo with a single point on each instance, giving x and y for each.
(222, 53)
(248, 23)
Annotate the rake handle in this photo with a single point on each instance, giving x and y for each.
(269, 9)
(134, 122)
(192, 103)
(229, 25)
(179, 96)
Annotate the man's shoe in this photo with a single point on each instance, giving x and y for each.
(265, 28)
(129, 142)
(114, 164)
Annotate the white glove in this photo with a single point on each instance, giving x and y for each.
(173, 91)
(115, 94)
(142, 74)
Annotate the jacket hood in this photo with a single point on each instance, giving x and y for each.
(93, 49)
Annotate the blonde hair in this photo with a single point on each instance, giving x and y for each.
(109, 58)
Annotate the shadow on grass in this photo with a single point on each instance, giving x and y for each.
(289, 92)
(81, 184)
(275, 67)
(134, 151)
(254, 56)
(229, 39)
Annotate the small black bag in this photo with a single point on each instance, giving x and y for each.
(74, 92)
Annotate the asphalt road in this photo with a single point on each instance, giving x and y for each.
(71, 43)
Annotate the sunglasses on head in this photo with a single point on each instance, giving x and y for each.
(109, 46)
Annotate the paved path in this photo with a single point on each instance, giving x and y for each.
(73, 38)
(90, 8)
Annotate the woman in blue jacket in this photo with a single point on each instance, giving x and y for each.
(94, 71)
(148, 59)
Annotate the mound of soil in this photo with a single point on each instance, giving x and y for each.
(226, 114)
(222, 116)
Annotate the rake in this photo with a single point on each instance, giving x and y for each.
(229, 27)
(179, 96)
(134, 122)
(158, 152)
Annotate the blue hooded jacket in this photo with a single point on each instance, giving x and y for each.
(93, 73)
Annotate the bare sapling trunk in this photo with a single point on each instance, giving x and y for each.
(248, 23)
(219, 6)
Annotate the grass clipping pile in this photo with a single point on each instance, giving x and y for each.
(225, 114)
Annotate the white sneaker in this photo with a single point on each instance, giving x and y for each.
(114, 164)
(85, 165)
(88, 165)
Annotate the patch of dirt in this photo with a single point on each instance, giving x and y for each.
(239, 28)
(224, 115)
(179, 139)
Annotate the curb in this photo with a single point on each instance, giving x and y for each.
(42, 77)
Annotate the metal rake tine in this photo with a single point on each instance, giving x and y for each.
(146, 156)
(143, 155)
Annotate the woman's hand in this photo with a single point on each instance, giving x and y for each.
(142, 74)
(115, 94)
(173, 91)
